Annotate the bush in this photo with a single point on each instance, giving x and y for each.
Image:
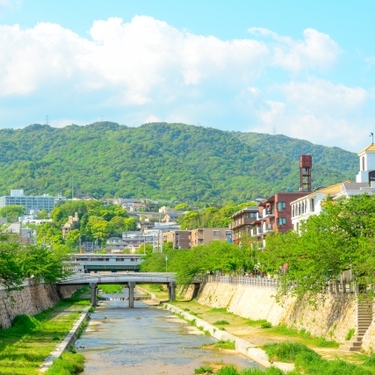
(227, 370)
(204, 370)
(221, 322)
(266, 325)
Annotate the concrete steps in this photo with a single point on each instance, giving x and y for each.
(364, 320)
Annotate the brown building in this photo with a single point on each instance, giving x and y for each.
(202, 236)
(180, 239)
(243, 222)
(275, 214)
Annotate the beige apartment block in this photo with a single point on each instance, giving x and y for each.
(202, 236)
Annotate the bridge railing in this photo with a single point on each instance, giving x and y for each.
(248, 280)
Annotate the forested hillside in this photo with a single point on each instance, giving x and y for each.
(160, 160)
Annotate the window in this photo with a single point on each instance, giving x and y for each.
(312, 205)
(216, 233)
(228, 233)
(281, 206)
(281, 221)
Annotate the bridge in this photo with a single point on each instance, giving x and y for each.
(106, 262)
(129, 278)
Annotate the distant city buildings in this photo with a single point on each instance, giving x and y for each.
(31, 203)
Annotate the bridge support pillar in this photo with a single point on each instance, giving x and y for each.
(172, 291)
(94, 288)
(131, 286)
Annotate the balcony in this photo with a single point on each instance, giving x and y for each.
(268, 213)
(268, 228)
(241, 222)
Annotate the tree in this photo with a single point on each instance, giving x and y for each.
(12, 213)
(342, 237)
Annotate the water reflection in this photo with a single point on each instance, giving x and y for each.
(145, 340)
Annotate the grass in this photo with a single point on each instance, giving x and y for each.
(204, 370)
(221, 322)
(67, 364)
(225, 344)
(111, 288)
(308, 362)
(30, 340)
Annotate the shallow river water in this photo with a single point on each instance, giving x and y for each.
(146, 340)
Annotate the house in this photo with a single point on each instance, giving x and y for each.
(243, 222)
(72, 223)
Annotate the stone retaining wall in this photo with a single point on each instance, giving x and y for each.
(31, 300)
(331, 319)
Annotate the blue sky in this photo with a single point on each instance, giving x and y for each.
(305, 69)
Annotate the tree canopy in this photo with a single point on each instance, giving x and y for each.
(341, 238)
(161, 161)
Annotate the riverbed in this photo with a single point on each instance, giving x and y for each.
(146, 340)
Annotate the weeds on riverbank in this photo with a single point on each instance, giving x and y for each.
(30, 340)
(309, 362)
(111, 288)
(67, 364)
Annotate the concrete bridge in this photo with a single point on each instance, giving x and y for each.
(128, 278)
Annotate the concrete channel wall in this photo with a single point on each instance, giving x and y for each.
(32, 299)
(332, 318)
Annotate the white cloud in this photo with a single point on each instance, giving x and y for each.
(317, 110)
(145, 70)
(317, 50)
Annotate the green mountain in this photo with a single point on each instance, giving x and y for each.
(164, 161)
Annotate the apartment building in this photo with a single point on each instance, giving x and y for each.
(31, 203)
(275, 214)
(203, 236)
(180, 239)
(243, 222)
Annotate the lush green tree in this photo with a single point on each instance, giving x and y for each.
(182, 207)
(12, 213)
(341, 238)
(130, 224)
(11, 275)
(42, 215)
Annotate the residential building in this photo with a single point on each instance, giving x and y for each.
(275, 214)
(72, 223)
(243, 222)
(311, 204)
(203, 236)
(31, 203)
(180, 239)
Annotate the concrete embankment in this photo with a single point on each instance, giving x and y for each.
(332, 318)
(69, 340)
(32, 299)
(241, 346)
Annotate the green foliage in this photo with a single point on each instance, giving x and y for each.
(204, 370)
(228, 370)
(350, 334)
(221, 322)
(162, 161)
(266, 325)
(225, 344)
(111, 288)
(12, 213)
(342, 237)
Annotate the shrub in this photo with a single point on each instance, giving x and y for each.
(204, 370)
(266, 325)
(221, 322)
(350, 334)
